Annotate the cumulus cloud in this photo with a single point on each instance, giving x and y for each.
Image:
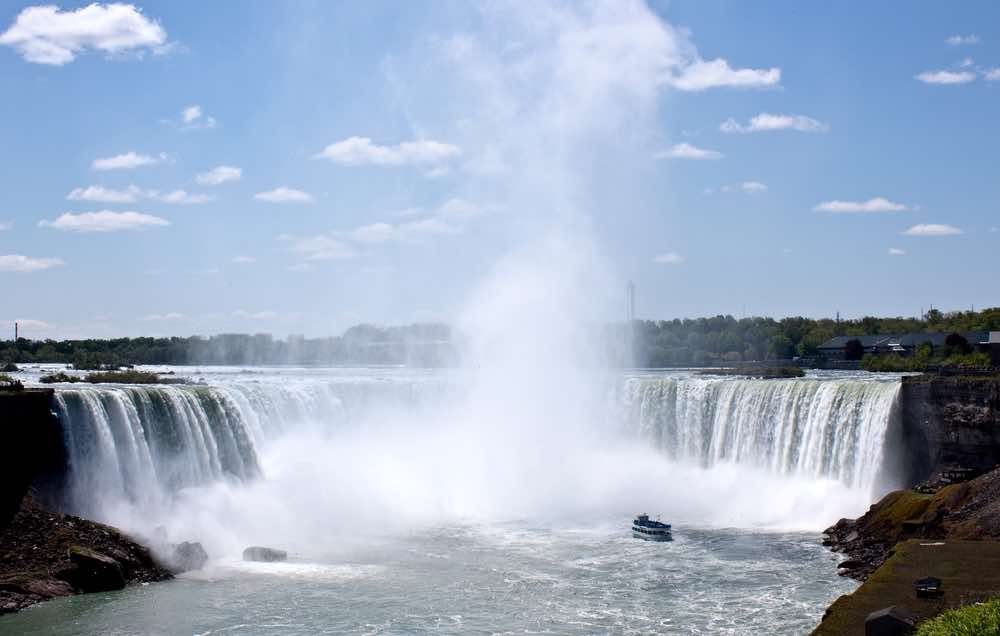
(753, 187)
(244, 260)
(127, 161)
(24, 264)
(668, 258)
(47, 35)
(104, 221)
(361, 151)
(687, 151)
(219, 175)
(992, 75)
(255, 315)
(320, 247)
(895, 251)
(101, 194)
(933, 229)
(284, 195)
(765, 122)
(946, 77)
(182, 197)
(700, 75)
(374, 233)
(173, 315)
(193, 118)
(132, 194)
(963, 40)
(875, 205)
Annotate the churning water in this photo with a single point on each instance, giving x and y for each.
(407, 506)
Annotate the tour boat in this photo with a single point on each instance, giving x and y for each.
(645, 528)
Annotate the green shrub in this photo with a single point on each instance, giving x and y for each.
(52, 378)
(131, 377)
(8, 383)
(981, 619)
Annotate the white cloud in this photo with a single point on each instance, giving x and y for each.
(23, 264)
(5, 225)
(992, 75)
(960, 40)
(193, 118)
(127, 161)
(284, 195)
(132, 194)
(431, 225)
(765, 122)
(244, 260)
(219, 175)
(255, 315)
(162, 317)
(359, 151)
(946, 77)
(877, 204)
(459, 208)
(933, 229)
(895, 251)
(321, 247)
(669, 258)
(687, 151)
(28, 323)
(302, 267)
(104, 221)
(374, 233)
(105, 195)
(753, 187)
(182, 197)
(47, 35)
(701, 75)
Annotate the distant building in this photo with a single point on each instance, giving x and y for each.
(991, 345)
(903, 344)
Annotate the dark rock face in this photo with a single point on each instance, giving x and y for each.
(45, 554)
(258, 553)
(32, 446)
(94, 572)
(949, 422)
(189, 555)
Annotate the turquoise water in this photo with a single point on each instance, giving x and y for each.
(508, 578)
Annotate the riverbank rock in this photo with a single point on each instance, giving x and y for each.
(968, 510)
(187, 556)
(44, 554)
(94, 572)
(268, 555)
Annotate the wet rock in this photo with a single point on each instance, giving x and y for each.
(850, 564)
(187, 556)
(269, 555)
(94, 572)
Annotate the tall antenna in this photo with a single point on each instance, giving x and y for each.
(15, 331)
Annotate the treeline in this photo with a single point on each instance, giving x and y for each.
(420, 345)
(724, 339)
(662, 343)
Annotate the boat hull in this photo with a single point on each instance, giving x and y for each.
(652, 537)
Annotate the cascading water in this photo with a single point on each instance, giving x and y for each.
(141, 445)
(809, 427)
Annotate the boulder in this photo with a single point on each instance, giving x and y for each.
(94, 572)
(258, 553)
(187, 556)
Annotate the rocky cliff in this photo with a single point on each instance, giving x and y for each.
(948, 422)
(31, 450)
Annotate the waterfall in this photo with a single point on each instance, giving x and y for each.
(811, 427)
(142, 444)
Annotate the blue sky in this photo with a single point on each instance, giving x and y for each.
(300, 167)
